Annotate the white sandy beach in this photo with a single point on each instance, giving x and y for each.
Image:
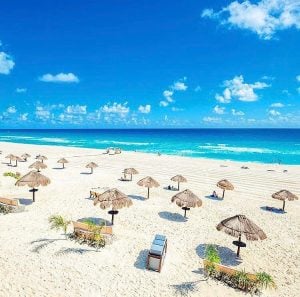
(59, 267)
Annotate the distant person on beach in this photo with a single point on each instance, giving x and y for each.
(214, 194)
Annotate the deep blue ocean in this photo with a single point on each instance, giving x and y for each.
(259, 145)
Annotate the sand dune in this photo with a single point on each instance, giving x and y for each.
(37, 261)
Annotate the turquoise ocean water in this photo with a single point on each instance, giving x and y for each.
(259, 145)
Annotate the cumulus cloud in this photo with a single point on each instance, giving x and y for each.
(23, 117)
(76, 109)
(237, 112)
(6, 63)
(219, 110)
(60, 78)
(116, 108)
(274, 113)
(144, 109)
(42, 113)
(11, 109)
(236, 88)
(264, 17)
(21, 90)
(277, 104)
(212, 120)
(179, 85)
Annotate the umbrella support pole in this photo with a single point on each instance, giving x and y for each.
(131, 177)
(113, 213)
(239, 247)
(283, 206)
(91, 170)
(33, 190)
(178, 186)
(148, 193)
(223, 194)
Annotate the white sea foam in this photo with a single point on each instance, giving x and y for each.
(235, 149)
(54, 139)
(123, 142)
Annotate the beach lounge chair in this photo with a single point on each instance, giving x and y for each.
(93, 194)
(157, 253)
(12, 203)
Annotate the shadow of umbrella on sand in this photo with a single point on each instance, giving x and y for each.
(113, 199)
(284, 195)
(239, 225)
(186, 199)
(33, 179)
(148, 182)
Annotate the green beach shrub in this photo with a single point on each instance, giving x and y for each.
(265, 281)
(16, 175)
(59, 222)
(212, 254)
(5, 209)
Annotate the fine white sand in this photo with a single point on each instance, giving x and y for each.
(37, 261)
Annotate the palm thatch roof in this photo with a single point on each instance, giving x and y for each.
(285, 195)
(33, 179)
(179, 178)
(240, 225)
(130, 171)
(16, 158)
(224, 184)
(113, 198)
(148, 182)
(62, 161)
(41, 157)
(10, 156)
(187, 198)
(38, 165)
(91, 165)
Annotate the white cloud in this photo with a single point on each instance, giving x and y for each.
(212, 119)
(145, 109)
(6, 63)
(298, 78)
(264, 17)
(21, 90)
(76, 109)
(168, 95)
(116, 108)
(267, 77)
(176, 109)
(11, 109)
(163, 103)
(23, 117)
(42, 113)
(179, 86)
(219, 110)
(198, 89)
(274, 113)
(237, 112)
(60, 78)
(236, 88)
(277, 104)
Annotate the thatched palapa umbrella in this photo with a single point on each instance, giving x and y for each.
(38, 165)
(240, 225)
(113, 199)
(16, 158)
(130, 171)
(25, 157)
(186, 199)
(148, 182)
(91, 165)
(33, 179)
(10, 157)
(224, 184)
(179, 179)
(41, 158)
(284, 195)
(63, 161)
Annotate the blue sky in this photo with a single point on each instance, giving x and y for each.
(137, 64)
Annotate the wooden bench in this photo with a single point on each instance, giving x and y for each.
(83, 229)
(9, 202)
(226, 269)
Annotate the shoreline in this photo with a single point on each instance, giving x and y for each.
(154, 153)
